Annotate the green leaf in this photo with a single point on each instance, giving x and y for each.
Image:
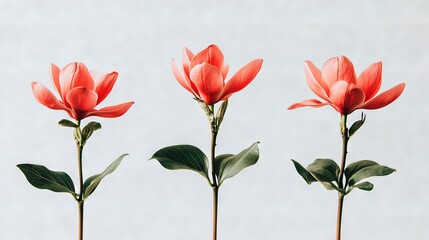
(304, 173)
(228, 165)
(370, 171)
(221, 112)
(67, 123)
(324, 170)
(41, 177)
(366, 186)
(183, 157)
(92, 182)
(354, 167)
(88, 130)
(356, 125)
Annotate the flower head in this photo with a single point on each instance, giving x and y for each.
(338, 85)
(80, 92)
(204, 74)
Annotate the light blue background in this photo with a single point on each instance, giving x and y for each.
(142, 200)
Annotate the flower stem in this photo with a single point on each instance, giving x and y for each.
(215, 184)
(80, 200)
(345, 137)
(80, 227)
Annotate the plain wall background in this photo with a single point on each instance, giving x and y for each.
(142, 200)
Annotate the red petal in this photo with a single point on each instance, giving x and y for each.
(212, 55)
(384, 98)
(182, 78)
(81, 100)
(111, 111)
(55, 76)
(105, 85)
(336, 69)
(314, 80)
(370, 80)
(308, 103)
(225, 70)
(242, 78)
(346, 97)
(75, 75)
(187, 55)
(209, 82)
(46, 97)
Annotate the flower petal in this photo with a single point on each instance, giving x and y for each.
(346, 97)
(208, 79)
(111, 111)
(46, 97)
(212, 55)
(314, 80)
(105, 85)
(187, 55)
(55, 76)
(384, 98)
(242, 78)
(336, 69)
(75, 75)
(81, 100)
(182, 78)
(225, 70)
(308, 103)
(370, 80)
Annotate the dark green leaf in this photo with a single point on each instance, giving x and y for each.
(352, 168)
(88, 130)
(324, 170)
(41, 177)
(304, 173)
(183, 157)
(229, 165)
(356, 125)
(370, 171)
(67, 123)
(92, 182)
(366, 186)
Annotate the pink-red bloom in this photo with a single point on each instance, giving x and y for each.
(337, 84)
(80, 92)
(204, 74)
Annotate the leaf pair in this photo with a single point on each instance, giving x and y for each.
(41, 177)
(326, 171)
(192, 158)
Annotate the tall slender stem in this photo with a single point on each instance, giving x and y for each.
(80, 200)
(215, 185)
(345, 137)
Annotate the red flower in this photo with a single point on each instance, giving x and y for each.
(338, 86)
(79, 93)
(204, 74)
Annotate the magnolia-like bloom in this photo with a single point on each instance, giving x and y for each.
(337, 84)
(80, 92)
(204, 74)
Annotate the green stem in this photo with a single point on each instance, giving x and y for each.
(345, 137)
(215, 184)
(80, 200)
